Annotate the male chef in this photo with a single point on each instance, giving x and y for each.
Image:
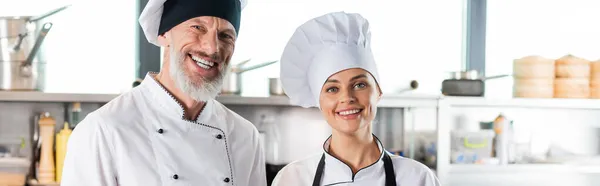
(170, 130)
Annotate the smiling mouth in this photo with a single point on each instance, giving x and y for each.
(349, 112)
(202, 63)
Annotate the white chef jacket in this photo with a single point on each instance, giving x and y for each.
(302, 172)
(140, 138)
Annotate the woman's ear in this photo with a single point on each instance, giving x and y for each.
(380, 93)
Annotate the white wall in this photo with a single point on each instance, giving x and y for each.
(517, 28)
(411, 39)
(91, 46)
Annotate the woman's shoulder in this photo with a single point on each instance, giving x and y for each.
(407, 163)
(299, 171)
(417, 172)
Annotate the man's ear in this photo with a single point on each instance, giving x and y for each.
(163, 39)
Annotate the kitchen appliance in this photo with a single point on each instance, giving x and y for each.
(466, 83)
(275, 87)
(20, 68)
(232, 84)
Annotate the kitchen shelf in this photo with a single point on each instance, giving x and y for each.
(394, 101)
(523, 168)
(409, 100)
(35, 183)
(397, 101)
(550, 103)
(34, 96)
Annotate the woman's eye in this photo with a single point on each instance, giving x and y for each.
(332, 89)
(360, 85)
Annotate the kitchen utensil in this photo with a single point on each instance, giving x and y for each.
(35, 145)
(466, 83)
(22, 70)
(275, 87)
(414, 84)
(47, 169)
(471, 75)
(232, 84)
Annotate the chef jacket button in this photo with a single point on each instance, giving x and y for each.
(226, 180)
(219, 136)
(160, 131)
(175, 176)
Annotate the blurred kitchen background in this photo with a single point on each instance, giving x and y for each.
(484, 92)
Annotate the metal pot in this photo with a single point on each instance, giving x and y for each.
(275, 87)
(232, 84)
(471, 75)
(19, 67)
(466, 83)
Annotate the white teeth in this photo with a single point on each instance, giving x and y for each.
(203, 63)
(348, 112)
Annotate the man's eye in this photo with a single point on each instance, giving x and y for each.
(197, 27)
(226, 36)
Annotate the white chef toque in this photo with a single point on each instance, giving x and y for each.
(320, 48)
(153, 23)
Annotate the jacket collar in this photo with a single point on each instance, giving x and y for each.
(166, 100)
(336, 171)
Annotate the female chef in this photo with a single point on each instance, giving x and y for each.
(328, 63)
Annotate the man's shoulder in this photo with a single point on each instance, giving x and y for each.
(232, 115)
(120, 110)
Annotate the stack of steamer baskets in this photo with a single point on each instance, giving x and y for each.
(595, 80)
(567, 77)
(572, 77)
(533, 77)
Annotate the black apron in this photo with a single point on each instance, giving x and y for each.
(390, 176)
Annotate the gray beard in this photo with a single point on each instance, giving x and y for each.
(198, 88)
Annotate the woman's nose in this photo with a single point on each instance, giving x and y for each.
(347, 97)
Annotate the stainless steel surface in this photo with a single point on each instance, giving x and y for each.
(40, 17)
(17, 35)
(20, 69)
(275, 87)
(14, 77)
(15, 38)
(36, 47)
(472, 75)
(232, 84)
(493, 77)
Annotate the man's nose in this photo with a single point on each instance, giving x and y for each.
(209, 43)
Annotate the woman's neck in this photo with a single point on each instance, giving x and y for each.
(356, 150)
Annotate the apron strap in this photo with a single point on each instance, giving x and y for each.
(390, 176)
(319, 173)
